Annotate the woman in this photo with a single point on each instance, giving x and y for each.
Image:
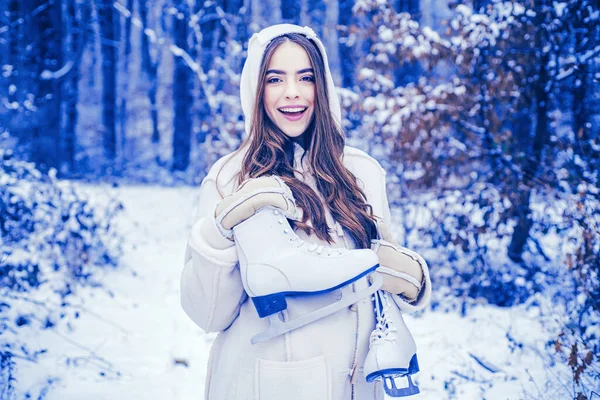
(294, 160)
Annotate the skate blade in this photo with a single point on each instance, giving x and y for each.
(389, 385)
(413, 368)
(275, 302)
(278, 327)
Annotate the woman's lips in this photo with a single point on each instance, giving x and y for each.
(294, 115)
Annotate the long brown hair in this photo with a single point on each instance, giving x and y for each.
(270, 152)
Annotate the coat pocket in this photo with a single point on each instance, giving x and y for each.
(294, 380)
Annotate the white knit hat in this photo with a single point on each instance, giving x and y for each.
(256, 50)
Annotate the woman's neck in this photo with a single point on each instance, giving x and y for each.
(301, 140)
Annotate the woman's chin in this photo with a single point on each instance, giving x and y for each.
(293, 133)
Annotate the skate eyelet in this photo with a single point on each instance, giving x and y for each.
(286, 230)
(280, 221)
(275, 212)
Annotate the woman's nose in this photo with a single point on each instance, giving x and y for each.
(291, 90)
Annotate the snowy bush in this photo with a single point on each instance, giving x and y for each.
(579, 341)
(52, 241)
(487, 172)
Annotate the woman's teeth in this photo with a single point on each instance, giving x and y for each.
(292, 110)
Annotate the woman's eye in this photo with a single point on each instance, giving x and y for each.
(273, 80)
(308, 78)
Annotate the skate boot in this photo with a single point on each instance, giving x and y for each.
(275, 263)
(392, 349)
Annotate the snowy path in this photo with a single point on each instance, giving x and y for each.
(125, 345)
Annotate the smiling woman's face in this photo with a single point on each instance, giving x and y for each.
(290, 89)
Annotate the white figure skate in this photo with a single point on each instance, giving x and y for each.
(275, 263)
(392, 349)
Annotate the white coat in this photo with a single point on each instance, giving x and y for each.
(321, 361)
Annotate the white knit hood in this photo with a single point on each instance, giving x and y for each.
(256, 50)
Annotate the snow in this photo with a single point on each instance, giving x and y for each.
(127, 341)
(122, 9)
(560, 8)
(518, 9)
(386, 34)
(409, 41)
(7, 70)
(464, 10)
(134, 341)
(152, 36)
(13, 105)
(47, 75)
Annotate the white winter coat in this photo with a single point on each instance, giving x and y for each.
(320, 361)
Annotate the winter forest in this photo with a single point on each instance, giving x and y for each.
(485, 115)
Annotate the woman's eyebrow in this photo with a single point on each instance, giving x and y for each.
(280, 72)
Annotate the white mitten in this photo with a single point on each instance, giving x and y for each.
(400, 268)
(250, 197)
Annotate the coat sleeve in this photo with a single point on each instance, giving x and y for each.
(211, 285)
(424, 295)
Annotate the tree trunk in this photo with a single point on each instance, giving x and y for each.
(585, 28)
(12, 85)
(90, 13)
(150, 68)
(181, 93)
(210, 27)
(331, 40)
(152, 97)
(106, 19)
(413, 7)
(345, 44)
(125, 87)
(48, 58)
(72, 89)
(266, 12)
(145, 45)
(290, 11)
(13, 47)
(317, 10)
(522, 208)
(408, 72)
(479, 5)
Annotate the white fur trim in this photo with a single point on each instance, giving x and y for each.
(207, 241)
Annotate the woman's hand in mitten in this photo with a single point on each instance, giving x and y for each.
(251, 196)
(400, 268)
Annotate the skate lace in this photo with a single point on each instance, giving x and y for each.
(384, 328)
(313, 247)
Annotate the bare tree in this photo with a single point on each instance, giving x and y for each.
(181, 91)
(107, 21)
(46, 54)
(346, 40)
(124, 89)
(75, 45)
(290, 11)
(150, 68)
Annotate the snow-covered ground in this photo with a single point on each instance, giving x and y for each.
(133, 341)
